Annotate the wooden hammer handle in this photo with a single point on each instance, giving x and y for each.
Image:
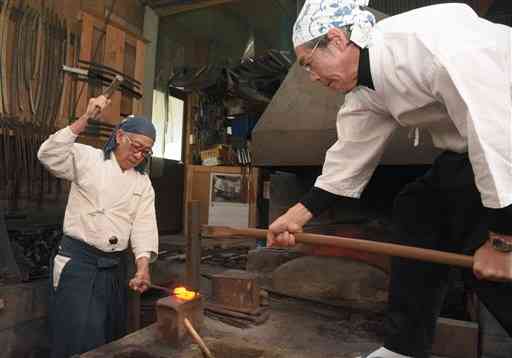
(108, 92)
(114, 85)
(409, 252)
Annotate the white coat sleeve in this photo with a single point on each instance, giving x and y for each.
(362, 137)
(63, 157)
(476, 90)
(144, 235)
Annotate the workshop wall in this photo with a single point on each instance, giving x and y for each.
(218, 37)
(29, 111)
(126, 12)
(36, 98)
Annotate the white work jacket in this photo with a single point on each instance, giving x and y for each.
(104, 202)
(442, 69)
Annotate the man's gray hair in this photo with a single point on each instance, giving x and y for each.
(323, 40)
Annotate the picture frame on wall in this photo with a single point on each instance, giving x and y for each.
(229, 201)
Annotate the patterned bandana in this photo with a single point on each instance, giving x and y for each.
(131, 124)
(318, 16)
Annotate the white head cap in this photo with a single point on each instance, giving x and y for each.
(318, 16)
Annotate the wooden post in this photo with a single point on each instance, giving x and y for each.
(193, 275)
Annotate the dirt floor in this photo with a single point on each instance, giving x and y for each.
(309, 329)
(294, 329)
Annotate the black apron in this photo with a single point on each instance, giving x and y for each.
(88, 308)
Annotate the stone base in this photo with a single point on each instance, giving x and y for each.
(332, 278)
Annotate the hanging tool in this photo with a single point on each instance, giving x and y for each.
(99, 67)
(408, 252)
(4, 29)
(102, 76)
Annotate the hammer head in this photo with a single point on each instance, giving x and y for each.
(171, 312)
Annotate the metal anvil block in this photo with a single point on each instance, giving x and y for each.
(171, 312)
(236, 290)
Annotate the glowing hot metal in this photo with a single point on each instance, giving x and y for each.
(184, 294)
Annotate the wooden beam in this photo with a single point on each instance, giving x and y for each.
(115, 22)
(177, 9)
(193, 263)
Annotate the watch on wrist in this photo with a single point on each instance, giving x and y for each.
(501, 245)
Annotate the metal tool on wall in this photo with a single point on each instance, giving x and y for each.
(33, 48)
(35, 44)
(255, 79)
(103, 76)
(4, 21)
(99, 67)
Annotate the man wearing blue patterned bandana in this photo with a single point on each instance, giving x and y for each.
(445, 70)
(111, 206)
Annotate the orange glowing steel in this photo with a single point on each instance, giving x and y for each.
(184, 294)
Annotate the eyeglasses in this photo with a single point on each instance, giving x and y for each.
(307, 65)
(139, 148)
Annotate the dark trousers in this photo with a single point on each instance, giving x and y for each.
(88, 307)
(441, 210)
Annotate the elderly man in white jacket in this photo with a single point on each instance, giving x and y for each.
(111, 206)
(446, 71)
